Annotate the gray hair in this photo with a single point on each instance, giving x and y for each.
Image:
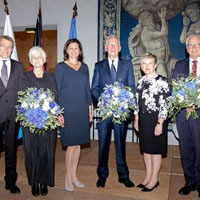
(112, 36)
(6, 37)
(36, 49)
(192, 36)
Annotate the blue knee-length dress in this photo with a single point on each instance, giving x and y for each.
(75, 98)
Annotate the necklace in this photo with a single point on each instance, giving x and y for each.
(73, 64)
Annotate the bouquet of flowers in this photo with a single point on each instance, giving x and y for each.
(185, 94)
(37, 110)
(116, 101)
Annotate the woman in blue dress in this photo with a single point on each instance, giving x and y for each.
(72, 76)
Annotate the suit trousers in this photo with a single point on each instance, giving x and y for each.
(11, 130)
(104, 133)
(189, 135)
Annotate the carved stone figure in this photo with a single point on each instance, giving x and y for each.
(151, 33)
(192, 13)
(148, 36)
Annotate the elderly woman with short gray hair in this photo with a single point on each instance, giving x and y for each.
(39, 149)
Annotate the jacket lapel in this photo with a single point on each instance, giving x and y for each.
(187, 67)
(107, 69)
(12, 76)
(119, 68)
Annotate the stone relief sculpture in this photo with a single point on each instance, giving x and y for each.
(148, 36)
(191, 14)
(151, 32)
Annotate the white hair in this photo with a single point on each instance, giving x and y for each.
(192, 36)
(112, 36)
(35, 50)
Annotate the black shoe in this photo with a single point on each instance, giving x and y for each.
(198, 189)
(127, 182)
(187, 189)
(43, 190)
(13, 189)
(35, 190)
(101, 182)
(140, 185)
(145, 189)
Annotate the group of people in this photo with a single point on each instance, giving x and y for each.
(71, 87)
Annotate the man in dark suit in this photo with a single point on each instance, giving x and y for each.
(103, 74)
(189, 130)
(10, 72)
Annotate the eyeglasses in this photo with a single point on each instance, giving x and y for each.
(5, 47)
(193, 45)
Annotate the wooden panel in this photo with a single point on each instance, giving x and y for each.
(24, 41)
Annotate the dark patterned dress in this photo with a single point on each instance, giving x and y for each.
(152, 99)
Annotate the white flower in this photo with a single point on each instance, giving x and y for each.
(42, 96)
(24, 105)
(54, 109)
(131, 94)
(116, 115)
(45, 106)
(115, 91)
(180, 98)
(31, 105)
(109, 113)
(125, 106)
(36, 105)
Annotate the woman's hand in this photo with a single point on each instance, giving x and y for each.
(90, 117)
(158, 129)
(90, 114)
(136, 123)
(61, 120)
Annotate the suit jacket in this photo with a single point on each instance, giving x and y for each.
(8, 95)
(181, 69)
(102, 76)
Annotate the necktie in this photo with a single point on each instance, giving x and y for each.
(113, 72)
(194, 69)
(4, 73)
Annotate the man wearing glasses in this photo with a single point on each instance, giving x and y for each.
(189, 130)
(10, 72)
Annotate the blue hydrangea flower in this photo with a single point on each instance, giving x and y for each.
(22, 110)
(181, 92)
(37, 116)
(191, 85)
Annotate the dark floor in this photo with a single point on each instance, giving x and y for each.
(171, 177)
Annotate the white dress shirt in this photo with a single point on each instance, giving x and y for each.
(116, 60)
